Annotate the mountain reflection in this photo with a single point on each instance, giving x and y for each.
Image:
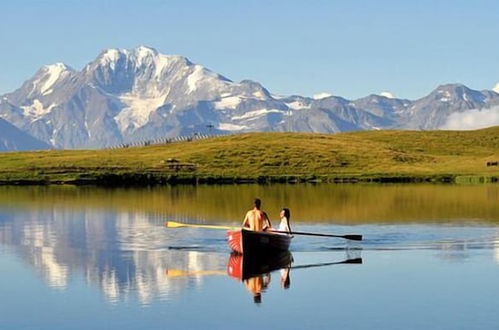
(124, 254)
(114, 239)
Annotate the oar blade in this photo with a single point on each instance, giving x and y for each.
(176, 273)
(353, 237)
(353, 261)
(173, 224)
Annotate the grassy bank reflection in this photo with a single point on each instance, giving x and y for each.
(309, 203)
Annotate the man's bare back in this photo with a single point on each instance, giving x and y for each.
(256, 219)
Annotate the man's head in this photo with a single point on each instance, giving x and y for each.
(257, 203)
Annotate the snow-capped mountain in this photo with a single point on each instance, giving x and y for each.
(13, 139)
(138, 94)
(432, 111)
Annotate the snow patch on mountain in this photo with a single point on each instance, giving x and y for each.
(230, 102)
(496, 88)
(322, 95)
(251, 115)
(193, 79)
(143, 52)
(110, 57)
(51, 74)
(136, 111)
(161, 62)
(298, 105)
(37, 109)
(231, 127)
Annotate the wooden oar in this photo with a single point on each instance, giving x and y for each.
(348, 261)
(186, 273)
(173, 224)
(350, 237)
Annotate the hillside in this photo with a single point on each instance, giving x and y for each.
(263, 157)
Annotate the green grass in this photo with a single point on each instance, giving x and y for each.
(458, 156)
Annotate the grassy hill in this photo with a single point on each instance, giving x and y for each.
(264, 157)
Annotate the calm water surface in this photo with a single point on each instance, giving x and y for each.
(80, 258)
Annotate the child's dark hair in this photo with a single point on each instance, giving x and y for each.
(287, 214)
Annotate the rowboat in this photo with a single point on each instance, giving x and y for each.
(243, 267)
(245, 241)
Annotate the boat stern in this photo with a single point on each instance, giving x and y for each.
(234, 239)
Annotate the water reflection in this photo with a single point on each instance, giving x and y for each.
(127, 254)
(115, 239)
(123, 254)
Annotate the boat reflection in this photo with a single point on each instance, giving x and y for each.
(244, 267)
(255, 270)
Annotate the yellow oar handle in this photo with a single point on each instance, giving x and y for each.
(173, 224)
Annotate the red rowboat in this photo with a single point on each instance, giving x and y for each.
(244, 241)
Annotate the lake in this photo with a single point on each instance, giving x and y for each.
(96, 258)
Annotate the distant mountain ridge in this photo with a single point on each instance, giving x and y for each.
(13, 139)
(128, 95)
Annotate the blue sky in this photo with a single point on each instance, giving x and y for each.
(348, 48)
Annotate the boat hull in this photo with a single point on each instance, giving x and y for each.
(251, 242)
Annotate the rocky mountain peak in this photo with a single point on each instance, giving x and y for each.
(44, 81)
(456, 93)
(138, 57)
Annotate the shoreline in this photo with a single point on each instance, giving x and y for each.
(150, 179)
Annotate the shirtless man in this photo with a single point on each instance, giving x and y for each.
(256, 219)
